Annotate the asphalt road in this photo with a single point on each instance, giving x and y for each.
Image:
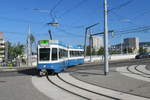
(100, 65)
(94, 74)
(17, 85)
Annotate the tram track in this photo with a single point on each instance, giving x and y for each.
(65, 89)
(136, 68)
(124, 92)
(79, 91)
(140, 73)
(87, 89)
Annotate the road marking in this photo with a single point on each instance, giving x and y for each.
(124, 71)
(51, 91)
(84, 93)
(133, 70)
(7, 70)
(55, 93)
(142, 68)
(108, 92)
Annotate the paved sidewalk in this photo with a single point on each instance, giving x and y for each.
(116, 80)
(7, 69)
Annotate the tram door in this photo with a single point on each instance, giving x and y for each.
(62, 58)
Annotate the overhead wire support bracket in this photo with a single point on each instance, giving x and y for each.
(102, 33)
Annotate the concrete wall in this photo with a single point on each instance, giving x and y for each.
(111, 57)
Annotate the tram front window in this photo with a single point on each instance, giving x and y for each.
(44, 54)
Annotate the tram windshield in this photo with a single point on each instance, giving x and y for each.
(44, 54)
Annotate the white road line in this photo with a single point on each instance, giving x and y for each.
(124, 71)
(132, 69)
(53, 92)
(142, 68)
(108, 92)
(7, 70)
(76, 90)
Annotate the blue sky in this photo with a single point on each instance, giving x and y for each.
(73, 16)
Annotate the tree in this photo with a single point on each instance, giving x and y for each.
(130, 50)
(94, 52)
(20, 49)
(15, 50)
(88, 51)
(101, 51)
(113, 52)
(142, 50)
(32, 41)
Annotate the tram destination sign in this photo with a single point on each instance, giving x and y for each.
(45, 42)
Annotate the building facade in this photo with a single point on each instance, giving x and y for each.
(96, 42)
(129, 45)
(145, 45)
(132, 44)
(2, 47)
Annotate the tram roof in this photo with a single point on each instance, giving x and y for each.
(57, 42)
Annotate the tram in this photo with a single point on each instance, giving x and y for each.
(54, 56)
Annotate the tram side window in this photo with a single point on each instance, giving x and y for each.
(81, 53)
(63, 53)
(73, 53)
(70, 53)
(54, 54)
(78, 53)
(60, 53)
(66, 53)
(44, 54)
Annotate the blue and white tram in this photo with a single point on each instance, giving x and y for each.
(55, 56)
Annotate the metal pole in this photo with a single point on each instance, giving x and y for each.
(29, 48)
(6, 52)
(121, 45)
(106, 65)
(27, 51)
(90, 48)
(85, 38)
(86, 30)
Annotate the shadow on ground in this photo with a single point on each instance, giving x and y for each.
(28, 71)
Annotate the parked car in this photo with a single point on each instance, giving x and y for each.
(149, 54)
(142, 55)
